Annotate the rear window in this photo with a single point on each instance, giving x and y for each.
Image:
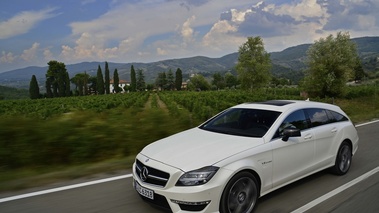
(337, 117)
(318, 117)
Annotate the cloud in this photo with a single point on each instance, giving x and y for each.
(48, 55)
(85, 2)
(187, 33)
(30, 53)
(161, 51)
(23, 22)
(222, 36)
(359, 15)
(7, 57)
(140, 26)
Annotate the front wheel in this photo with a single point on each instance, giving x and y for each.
(240, 194)
(343, 160)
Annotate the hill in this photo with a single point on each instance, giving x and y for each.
(288, 63)
(13, 93)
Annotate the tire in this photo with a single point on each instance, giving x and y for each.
(343, 159)
(240, 194)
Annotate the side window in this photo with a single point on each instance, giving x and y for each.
(296, 119)
(318, 117)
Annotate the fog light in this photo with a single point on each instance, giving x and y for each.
(191, 203)
(191, 206)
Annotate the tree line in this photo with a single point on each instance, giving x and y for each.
(331, 62)
(58, 82)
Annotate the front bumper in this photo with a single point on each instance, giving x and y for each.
(199, 199)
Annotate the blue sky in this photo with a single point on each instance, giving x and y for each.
(71, 31)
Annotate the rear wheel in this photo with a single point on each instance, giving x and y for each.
(240, 194)
(343, 160)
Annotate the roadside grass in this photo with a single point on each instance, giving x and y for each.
(360, 110)
(103, 143)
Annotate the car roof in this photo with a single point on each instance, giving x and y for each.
(284, 105)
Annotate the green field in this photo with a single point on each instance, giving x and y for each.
(76, 136)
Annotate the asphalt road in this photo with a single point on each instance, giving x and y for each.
(119, 195)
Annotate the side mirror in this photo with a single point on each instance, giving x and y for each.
(290, 132)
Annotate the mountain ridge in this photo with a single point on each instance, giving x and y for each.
(285, 63)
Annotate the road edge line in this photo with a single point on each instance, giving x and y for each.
(32, 194)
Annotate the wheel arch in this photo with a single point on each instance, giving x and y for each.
(256, 176)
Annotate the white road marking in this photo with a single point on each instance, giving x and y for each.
(336, 191)
(364, 124)
(17, 197)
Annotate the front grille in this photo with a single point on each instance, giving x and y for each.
(152, 176)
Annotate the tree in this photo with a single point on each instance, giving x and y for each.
(359, 73)
(100, 81)
(218, 81)
(161, 81)
(178, 79)
(170, 80)
(198, 82)
(253, 64)
(140, 84)
(81, 82)
(107, 80)
(231, 81)
(33, 88)
(56, 76)
(68, 85)
(92, 81)
(133, 80)
(331, 62)
(116, 82)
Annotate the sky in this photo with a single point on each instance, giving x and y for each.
(125, 31)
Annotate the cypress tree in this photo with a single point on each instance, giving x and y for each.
(133, 79)
(107, 80)
(170, 80)
(178, 79)
(140, 81)
(100, 81)
(33, 88)
(68, 85)
(116, 81)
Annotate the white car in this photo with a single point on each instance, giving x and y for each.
(243, 153)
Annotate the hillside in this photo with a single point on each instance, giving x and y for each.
(13, 93)
(288, 63)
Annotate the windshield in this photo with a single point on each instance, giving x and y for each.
(242, 122)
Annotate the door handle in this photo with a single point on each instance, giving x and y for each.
(334, 130)
(307, 137)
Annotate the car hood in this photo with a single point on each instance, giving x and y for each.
(196, 148)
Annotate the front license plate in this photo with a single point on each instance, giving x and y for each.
(144, 192)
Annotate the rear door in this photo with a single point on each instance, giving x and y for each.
(326, 132)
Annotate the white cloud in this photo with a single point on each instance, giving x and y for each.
(133, 24)
(222, 37)
(31, 53)
(7, 57)
(23, 22)
(187, 32)
(161, 51)
(48, 55)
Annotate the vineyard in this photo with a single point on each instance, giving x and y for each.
(77, 130)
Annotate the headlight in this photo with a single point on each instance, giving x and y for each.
(197, 177)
